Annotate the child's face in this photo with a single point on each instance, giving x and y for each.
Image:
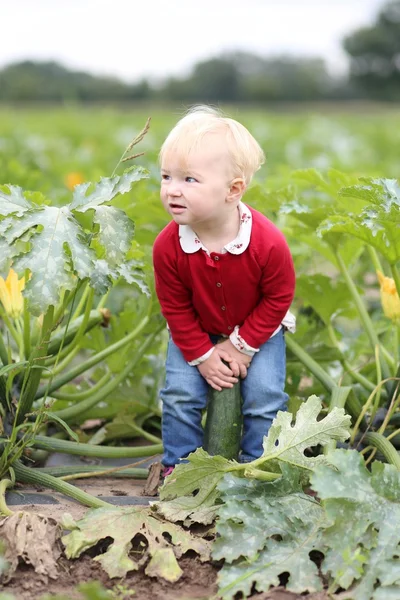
(196, 191)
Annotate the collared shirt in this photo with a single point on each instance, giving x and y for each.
(244, 292)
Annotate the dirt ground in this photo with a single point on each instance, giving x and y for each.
(197, 582)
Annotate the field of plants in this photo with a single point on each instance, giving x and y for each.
(82, 350)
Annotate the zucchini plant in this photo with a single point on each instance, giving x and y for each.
(61, 264)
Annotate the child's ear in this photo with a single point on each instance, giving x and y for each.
(237, 188)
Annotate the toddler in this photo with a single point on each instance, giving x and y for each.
(225, 280)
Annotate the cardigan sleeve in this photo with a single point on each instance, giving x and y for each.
(277, 291)
(176, 305)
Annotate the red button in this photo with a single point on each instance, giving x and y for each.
(219, 284)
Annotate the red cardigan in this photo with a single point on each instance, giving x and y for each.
(201, 294)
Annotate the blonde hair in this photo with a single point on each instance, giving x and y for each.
(244, 151)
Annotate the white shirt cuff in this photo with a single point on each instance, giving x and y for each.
(240, 344)
(201, 359)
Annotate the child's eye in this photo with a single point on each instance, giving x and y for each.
(190, 179)
(165, 176)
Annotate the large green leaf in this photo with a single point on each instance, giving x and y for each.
(286, 442)
(62, 249)
(370, 502)
(328, 299)
(191, 494)
(378, 224)
(200, 476)
(265, 530)
(106, 189)
(12, 200)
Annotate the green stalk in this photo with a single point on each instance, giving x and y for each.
(11, 329)
(366, 383)
(77, 334)
(66, 447)
(91, 362)
(378, 380)
(132, 473)
(379, 441)
(81, 302)
(29, 475)
(365, 318)
(396, 277)
(3, 351)
(252, 473)
(310, 363)
(68, 333)
(27, 330)
(103, 300)
(338, 400)
(32, 375)
(59, 313)
(81, 407)
(364, 411)
(4, 510)
(133, 430)
(76, 397)
(60, 365)
(375, 258)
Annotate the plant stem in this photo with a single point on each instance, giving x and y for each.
(4, 510)
(29, 475)
(87, 393)
(100, 471)
(380, 442)
(32, 375)
(72, 412)
(375, 258)
(92, 361)
(365, 318)
(27, 331)
(11, 329)
(310, 363)
(396, 277)
(66, 447)
(135, 473)
(81, 302)
(366, 383)
(3, 351)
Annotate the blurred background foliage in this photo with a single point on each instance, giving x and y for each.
(374, 74)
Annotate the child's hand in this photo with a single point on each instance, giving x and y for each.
(239, 361)
(215, 372)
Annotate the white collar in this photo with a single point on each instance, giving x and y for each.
(190, 243)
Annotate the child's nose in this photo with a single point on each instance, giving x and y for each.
(174, 189)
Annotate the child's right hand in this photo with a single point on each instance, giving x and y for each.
(216, 373)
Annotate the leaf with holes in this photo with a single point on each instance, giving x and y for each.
(164, 542)
(370, 501)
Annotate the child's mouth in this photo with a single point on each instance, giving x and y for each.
(177, 208)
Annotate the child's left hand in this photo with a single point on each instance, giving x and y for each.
(240, 361)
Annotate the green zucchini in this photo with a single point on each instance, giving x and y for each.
(223, 427)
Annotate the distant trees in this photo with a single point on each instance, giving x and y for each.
(375, 54)
(234, 77)
(31, 81)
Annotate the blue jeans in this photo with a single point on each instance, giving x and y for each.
(185, 397)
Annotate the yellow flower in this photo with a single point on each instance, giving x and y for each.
(389, 297)
(72, 179)
(10, 294)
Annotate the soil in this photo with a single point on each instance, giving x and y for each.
(199, 580)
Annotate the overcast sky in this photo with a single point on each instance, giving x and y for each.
(156, 38)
